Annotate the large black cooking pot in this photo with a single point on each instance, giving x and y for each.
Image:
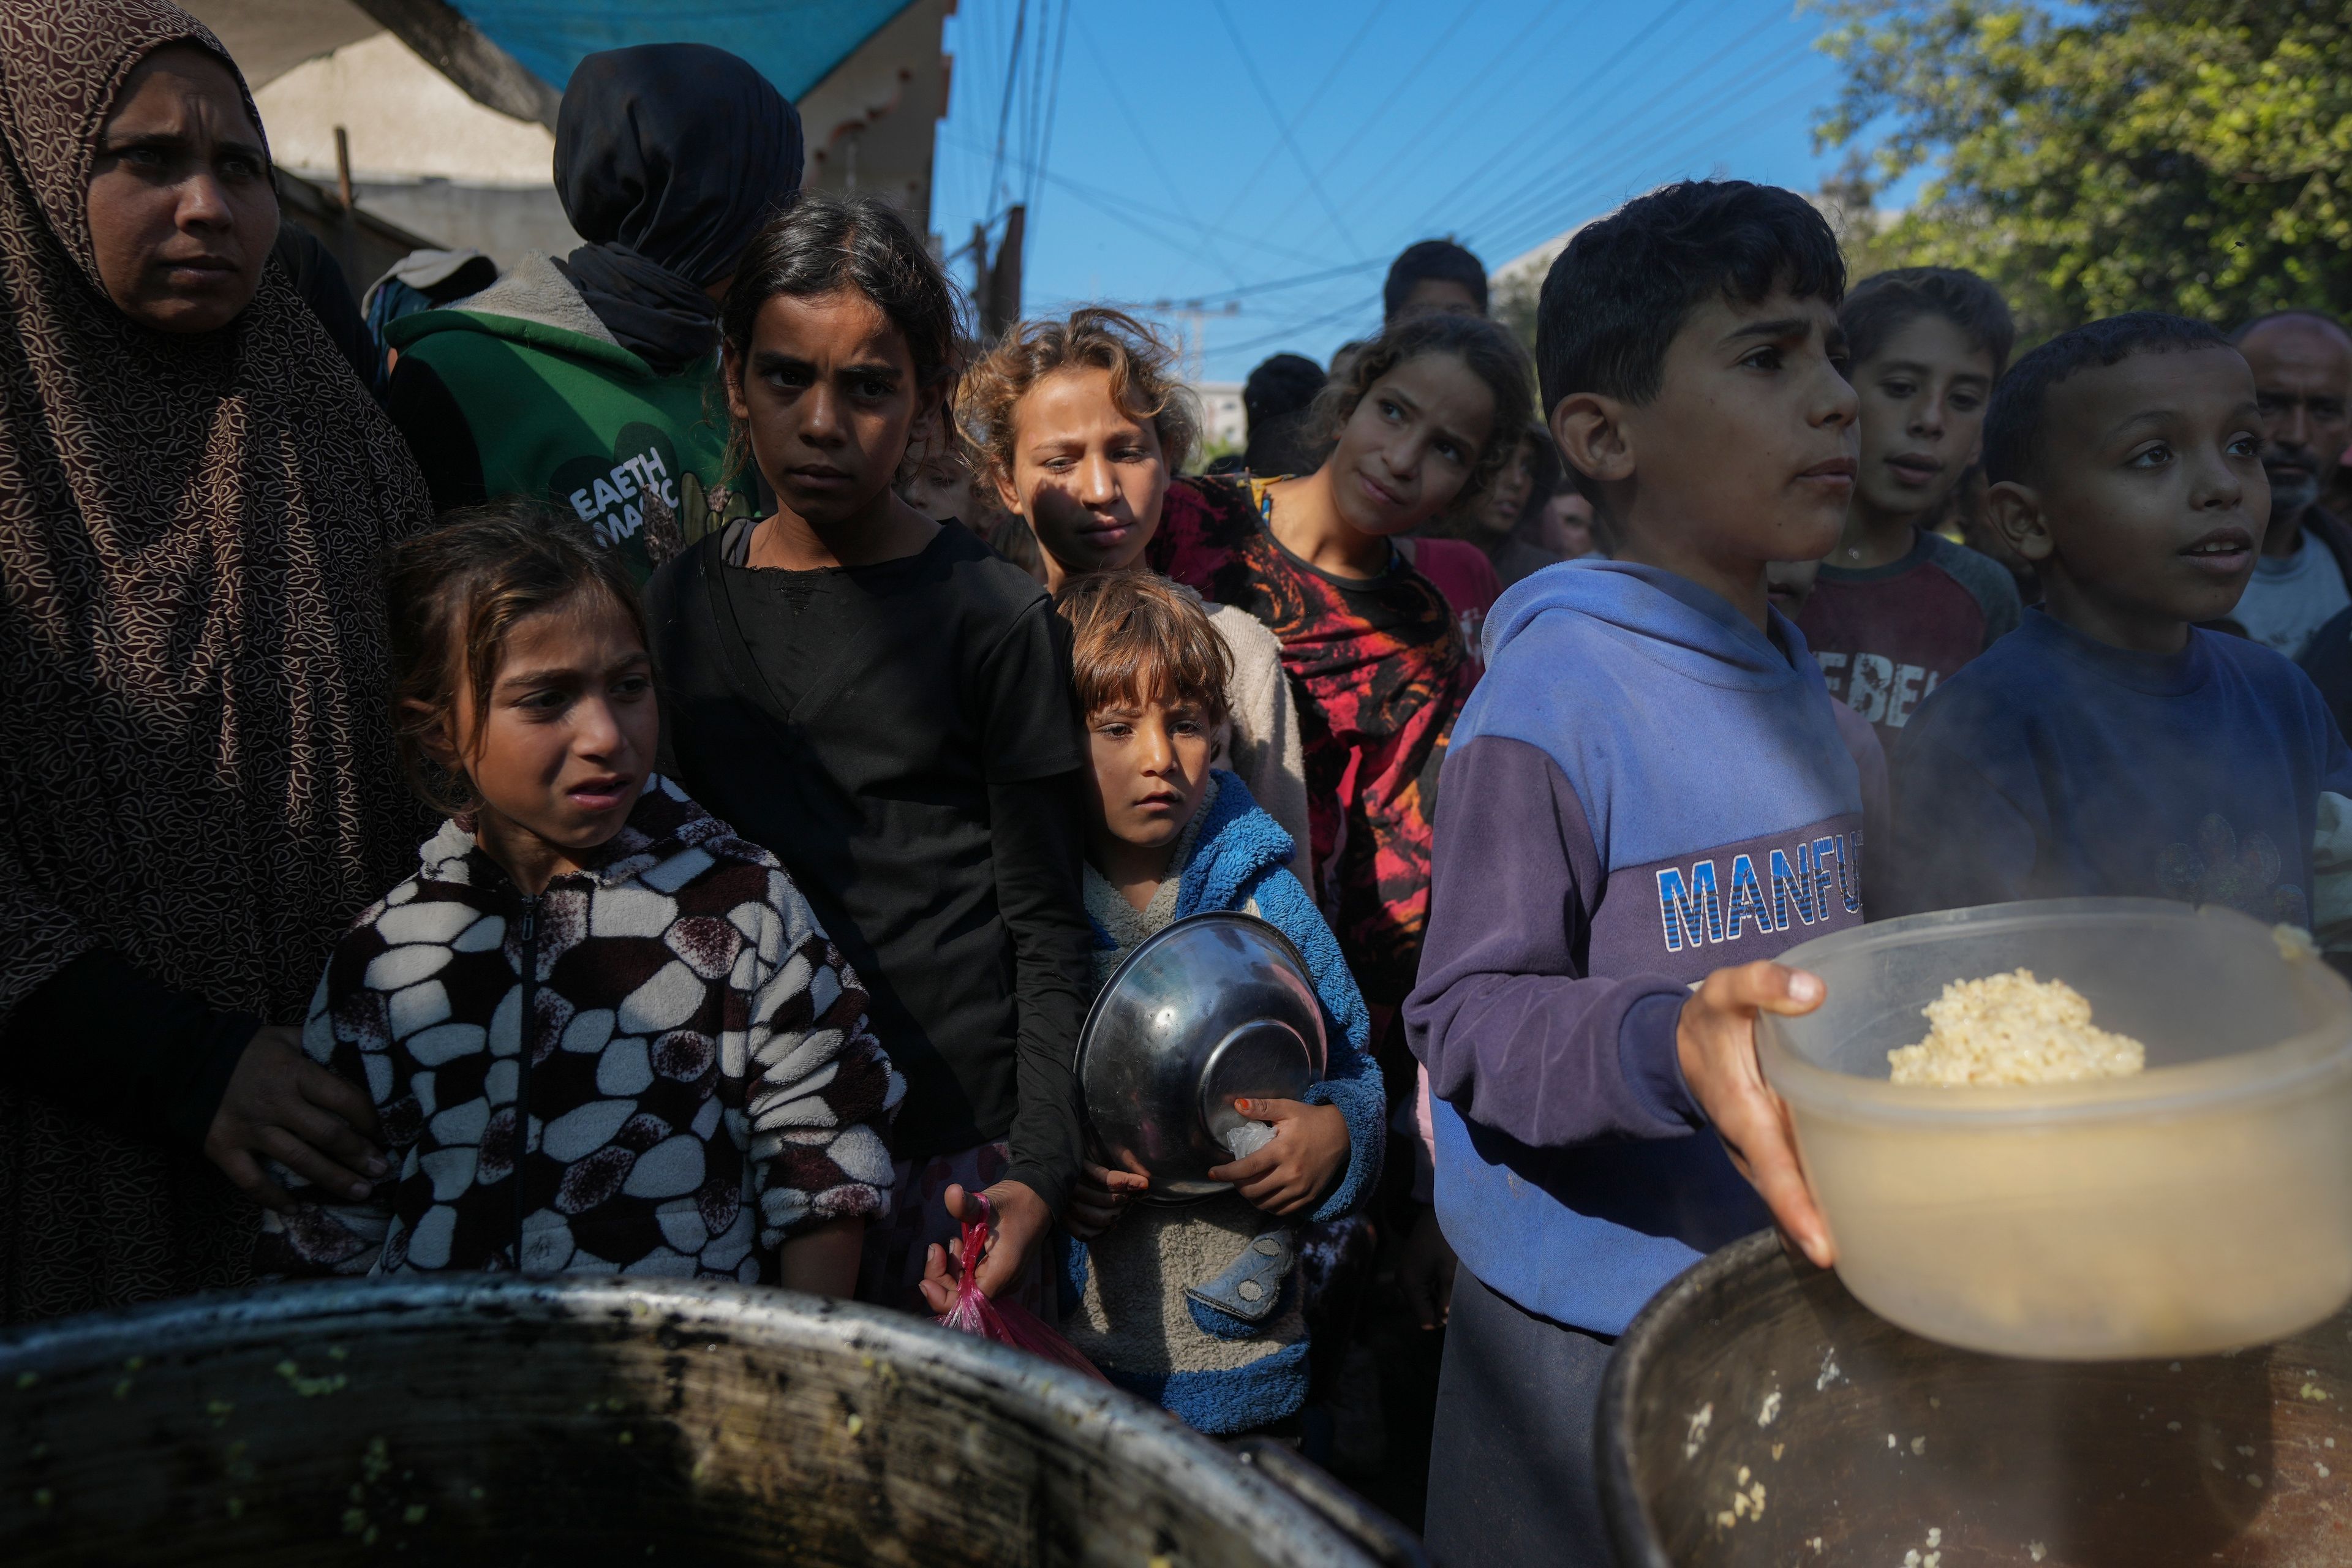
(1869, 1444)
(580, 1421)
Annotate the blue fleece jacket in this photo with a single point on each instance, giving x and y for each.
(1238, 861)
(1645, 788)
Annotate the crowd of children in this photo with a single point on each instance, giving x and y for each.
(1540, 705)
(786, 1041)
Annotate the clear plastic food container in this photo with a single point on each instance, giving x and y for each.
(2199, 1205)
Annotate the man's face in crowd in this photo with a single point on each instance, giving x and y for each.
(1438, 297)
(2303, 377)
(1568, 531)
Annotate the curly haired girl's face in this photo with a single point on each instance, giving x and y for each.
(827, 391)
(1088, 476)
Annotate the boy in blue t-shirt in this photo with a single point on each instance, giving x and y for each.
(2110, 746)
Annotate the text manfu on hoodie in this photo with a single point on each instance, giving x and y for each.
(1645, 787)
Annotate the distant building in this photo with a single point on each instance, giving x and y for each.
(1514, 289)
(1225, 424)
(1530, 266)
(425, 154)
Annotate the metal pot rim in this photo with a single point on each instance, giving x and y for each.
(1620, 1502)
(1130, 1433)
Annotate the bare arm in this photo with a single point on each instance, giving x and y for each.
(822, 1260)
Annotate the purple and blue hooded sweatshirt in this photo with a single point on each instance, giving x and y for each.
(1645, 788)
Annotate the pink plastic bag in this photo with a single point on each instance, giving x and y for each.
(1005, 1323)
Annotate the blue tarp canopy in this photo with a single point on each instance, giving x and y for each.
(794, 43)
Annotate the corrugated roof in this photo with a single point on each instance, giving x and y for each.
(794, 43)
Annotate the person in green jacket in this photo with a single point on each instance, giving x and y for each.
(590, 382)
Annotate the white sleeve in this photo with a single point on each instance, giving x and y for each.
(819, 1090)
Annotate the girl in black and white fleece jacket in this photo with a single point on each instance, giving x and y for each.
(688, 1050)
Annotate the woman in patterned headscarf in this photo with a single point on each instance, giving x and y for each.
(195, 749)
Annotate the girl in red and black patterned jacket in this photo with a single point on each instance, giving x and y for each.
(1425, 419)
(586, 955)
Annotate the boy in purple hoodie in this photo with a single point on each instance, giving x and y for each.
(1648, 798)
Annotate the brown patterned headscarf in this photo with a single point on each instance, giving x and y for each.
(194, 747)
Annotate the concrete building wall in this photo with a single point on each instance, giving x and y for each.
(1223, 421)
(269, 38)
(424, 154)
(406, 120)
(871, 123)
(431, 159)
(501, 223)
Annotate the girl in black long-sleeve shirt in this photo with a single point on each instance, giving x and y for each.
(883, 703)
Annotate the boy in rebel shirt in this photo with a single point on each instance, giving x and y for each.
(1898, 607)
(2111, 746)
(1649, 793)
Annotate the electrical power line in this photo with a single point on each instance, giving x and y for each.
(1599, 73)
(1052, 108)
(1274, 111)
(1384, 102)
(1778, 106)
(1534, 180)
(1298, 330)
(1769, 112)
(1633, 120)
(1634, 145)
(1035, 106)
(1110, 203)
(1152, 154)
(1475, 81)
(1307, 107)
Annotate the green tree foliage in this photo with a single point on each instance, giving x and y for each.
(2187, 155)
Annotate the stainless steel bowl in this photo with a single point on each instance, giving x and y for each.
(1213, 1009)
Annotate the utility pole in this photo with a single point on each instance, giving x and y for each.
(1000, 303)
(1191, 337)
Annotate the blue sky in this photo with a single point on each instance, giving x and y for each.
(1275, 154)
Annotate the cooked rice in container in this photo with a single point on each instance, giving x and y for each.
(2013, 1029)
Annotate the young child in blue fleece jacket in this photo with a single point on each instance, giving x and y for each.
(1197, 1306)
(1648, 796)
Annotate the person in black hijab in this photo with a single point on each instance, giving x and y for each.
(585, 381)
(669, 157)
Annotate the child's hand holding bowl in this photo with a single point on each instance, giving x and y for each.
(1309, 1152)
(1101, 1196)
(1717, 1045)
